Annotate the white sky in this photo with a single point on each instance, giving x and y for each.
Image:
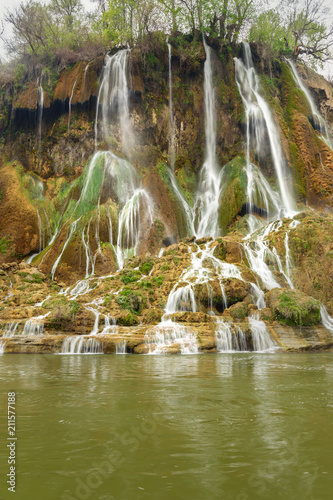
(89, 5)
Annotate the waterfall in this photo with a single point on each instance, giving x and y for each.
(81, 345)
(84, 80)
(2, 347)
(182, 296)
(35, 326)
(260, 119)
(229, 338)
(110, 326)
(261, 339)
(168, 334)
(326, 319)
(70, 105)
(71, 232)
(10, 330)
(94, 331)
(40, 106)
(172, 129)
(319, 122)
(207, 200)
(121, 347)
(113, 98)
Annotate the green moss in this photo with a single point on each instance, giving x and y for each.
(4, 243)
(146, 266)
(146, 284)
(165, 267)
(158, 281)
(234, 193)
(107, 299)
(297, 309)
(131, 300)
(130, 277)
(127, 319)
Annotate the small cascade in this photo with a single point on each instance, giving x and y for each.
(261, 339)
(229, 337)
(135, 205)
(9, 294)
(71, 232)
(81, 345)
(121, 347)
(70, 105)
(110, 326)
(2, 346)
(182, 296)
(129, 222)
(207, 200)
(260, 120)
(113, 98)
(318, 121)
(326, 319)
(40, 106)
(35, 326)
(172, 128)
(94, 331)
(84, 80)
(257, 253)
(168, 334)
(40, 231)
(288, 259)
(10, 330)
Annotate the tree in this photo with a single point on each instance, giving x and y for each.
(269, 32)
(306, 30)
(67, 10)
(30, 26)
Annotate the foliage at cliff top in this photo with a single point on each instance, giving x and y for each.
(60, 32)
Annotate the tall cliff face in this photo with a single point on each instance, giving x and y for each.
(164, 189)
(50, 138)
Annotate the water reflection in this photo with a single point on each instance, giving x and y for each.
(225, 426)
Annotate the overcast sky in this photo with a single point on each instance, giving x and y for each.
(89, 5)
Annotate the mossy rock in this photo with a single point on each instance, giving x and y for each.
(130, 277)
(152, 316)
(233, 195)
(126, 318)
(238, 311)
(293, 307)
(131, 300)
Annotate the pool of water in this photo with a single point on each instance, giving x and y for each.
(238, 427)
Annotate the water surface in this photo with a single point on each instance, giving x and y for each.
(241, 426)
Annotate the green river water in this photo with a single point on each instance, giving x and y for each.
(225, 426)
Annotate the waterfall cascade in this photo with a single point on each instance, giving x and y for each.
(259, 122)
(35, 326)
(40, 106)
(206, 206)
(2, 346)
(81, 345)
(168, 334)
(318, 121)
(172, 127)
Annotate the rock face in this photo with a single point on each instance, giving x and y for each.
(62, 196)
(124, 310)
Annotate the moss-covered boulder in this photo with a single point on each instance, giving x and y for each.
(293, 307)
(233, 195)
(131, 300)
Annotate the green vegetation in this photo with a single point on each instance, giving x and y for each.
(146, 266)
(130, 277)
(4, 243)
(131, 300)
(295, 308)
